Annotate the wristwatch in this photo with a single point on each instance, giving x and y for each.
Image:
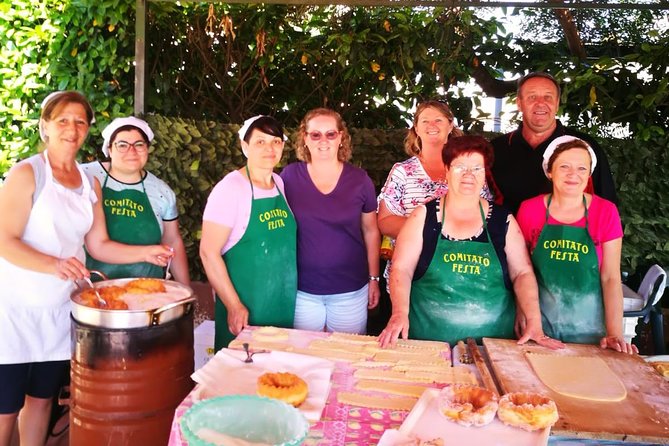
(375, 278)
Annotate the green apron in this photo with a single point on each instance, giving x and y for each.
(130, 220)
(263, 267)
(570, 290)
(462, 293)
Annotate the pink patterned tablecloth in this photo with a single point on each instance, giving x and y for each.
(340, 424)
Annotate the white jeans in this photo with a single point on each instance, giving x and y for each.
(345, 312)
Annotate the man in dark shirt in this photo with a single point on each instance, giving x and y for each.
(517, 168)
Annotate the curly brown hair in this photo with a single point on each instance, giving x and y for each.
(345, 149)
(412, 145)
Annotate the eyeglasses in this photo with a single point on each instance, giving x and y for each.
(460, 169)
(330, 135)
(124, 146)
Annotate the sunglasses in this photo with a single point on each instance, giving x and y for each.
(330, 135)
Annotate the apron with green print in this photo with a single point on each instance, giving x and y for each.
(130, 220)
(462, 294)
(570, 291)
(263, 268)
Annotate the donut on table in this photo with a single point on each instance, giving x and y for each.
(528, 411)
(468, 405)
(286, 387)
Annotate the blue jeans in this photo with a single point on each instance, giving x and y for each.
(345, 312)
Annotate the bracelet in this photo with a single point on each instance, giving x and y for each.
(374, 278)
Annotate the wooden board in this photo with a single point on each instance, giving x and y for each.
(641, 417)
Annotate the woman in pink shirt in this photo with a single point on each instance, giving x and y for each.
(575, 240)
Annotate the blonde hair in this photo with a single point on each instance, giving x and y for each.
(412, 144)
(345, 149)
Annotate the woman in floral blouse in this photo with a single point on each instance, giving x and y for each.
(420, 178)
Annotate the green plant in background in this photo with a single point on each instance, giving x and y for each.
(62, 45)
(25, 33)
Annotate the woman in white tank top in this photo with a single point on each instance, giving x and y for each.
(42, 234)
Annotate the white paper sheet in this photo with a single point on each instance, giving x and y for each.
(227, 374)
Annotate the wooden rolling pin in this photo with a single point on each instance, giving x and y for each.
(486, 376)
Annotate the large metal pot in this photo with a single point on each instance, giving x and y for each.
(121, 319)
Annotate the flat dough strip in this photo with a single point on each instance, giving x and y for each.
(350, 338)
(261, 345)
(583, 377)
(371, 364)
(385, 355)
(376, 402)
(447, 376)
(324, 344)
(429, 367)
(432, 345)
(354, 338)
(334, 355)
(412, 390)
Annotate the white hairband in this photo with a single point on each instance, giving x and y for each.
(245, 128)
(122, 122)
(561, 140)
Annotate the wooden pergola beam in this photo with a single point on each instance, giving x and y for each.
(546, 4)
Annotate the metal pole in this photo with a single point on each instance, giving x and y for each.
(140, 56)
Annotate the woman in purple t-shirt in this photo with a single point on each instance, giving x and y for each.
(338, 240)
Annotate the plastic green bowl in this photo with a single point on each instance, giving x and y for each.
(248, 417)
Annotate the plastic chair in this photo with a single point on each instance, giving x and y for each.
(651, 289)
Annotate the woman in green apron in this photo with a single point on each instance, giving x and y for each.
(460, 259)
(248, 245)
(139, 208)
(576, 240)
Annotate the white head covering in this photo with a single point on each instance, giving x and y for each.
(245, 128)
(50, 97)
(561, 140)
(122, 122)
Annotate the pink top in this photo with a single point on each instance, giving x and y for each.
(603, 221)
(229, 204)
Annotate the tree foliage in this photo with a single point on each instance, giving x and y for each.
(57, 45)
(25, 32)
(371, 64)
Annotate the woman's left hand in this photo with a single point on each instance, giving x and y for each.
(374, 294)
(520, 324)
(618, 344)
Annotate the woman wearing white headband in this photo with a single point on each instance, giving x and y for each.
(140, 209)
(248, 245)
(49, 210)
(576, 239)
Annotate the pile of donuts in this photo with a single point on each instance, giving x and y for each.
(113, 294)
(470, 405)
